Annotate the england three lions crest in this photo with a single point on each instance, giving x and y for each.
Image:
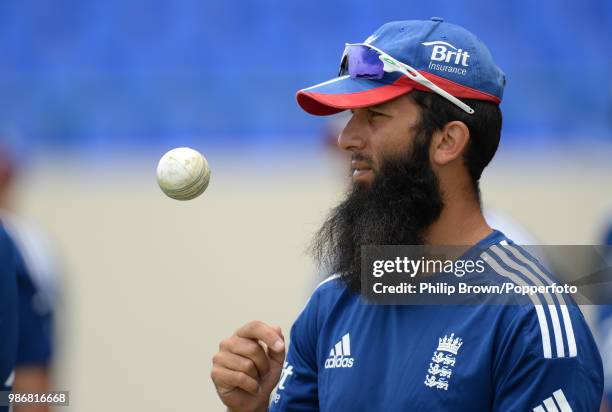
(442, 362)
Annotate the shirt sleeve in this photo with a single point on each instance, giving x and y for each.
(36, 287)
(8, 312)
(547, 362)
(35, 321)
(297, 389)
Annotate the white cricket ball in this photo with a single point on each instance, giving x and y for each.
(183, 173)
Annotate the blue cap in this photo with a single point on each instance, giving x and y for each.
(448, 55)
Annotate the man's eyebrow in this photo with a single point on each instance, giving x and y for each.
(377, 107)
(381, 106)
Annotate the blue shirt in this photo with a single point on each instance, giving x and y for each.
(25, 312)
(36, 289)
(35, 320)
(605, 328)
(346, 355)
(8, 312)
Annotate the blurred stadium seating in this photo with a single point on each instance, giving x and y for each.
(102, 75)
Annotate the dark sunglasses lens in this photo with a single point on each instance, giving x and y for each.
(343, 66)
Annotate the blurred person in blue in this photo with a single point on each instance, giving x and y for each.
(424, 98)
(605, 331)
(9, 308)
(36, 290)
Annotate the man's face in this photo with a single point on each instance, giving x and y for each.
(395, 194)
(379, 132)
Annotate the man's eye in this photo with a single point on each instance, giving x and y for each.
(372, 114)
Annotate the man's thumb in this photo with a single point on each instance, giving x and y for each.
(277, 357)
(278, 330)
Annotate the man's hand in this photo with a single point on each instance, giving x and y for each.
(248, 366)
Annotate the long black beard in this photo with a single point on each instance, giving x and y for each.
(402, 201)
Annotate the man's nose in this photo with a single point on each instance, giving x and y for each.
(351, 137)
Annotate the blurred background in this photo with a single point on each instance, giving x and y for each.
(93, 93)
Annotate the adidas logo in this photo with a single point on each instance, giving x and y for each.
(339, 356)
(549, 404)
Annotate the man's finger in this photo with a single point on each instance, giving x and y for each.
(227, 380)
(267, 334)
(237, 363)
(250, 349)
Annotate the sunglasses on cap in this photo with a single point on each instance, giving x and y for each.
(366, 61)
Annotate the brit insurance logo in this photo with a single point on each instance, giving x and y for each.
(285, 375)
(340, 354)
(442, 362)
(447, 58)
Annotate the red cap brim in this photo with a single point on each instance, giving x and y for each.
(344, 93)
(349, 93)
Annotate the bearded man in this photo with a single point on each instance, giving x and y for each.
(424, 97)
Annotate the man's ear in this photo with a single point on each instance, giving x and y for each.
(450, 142)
